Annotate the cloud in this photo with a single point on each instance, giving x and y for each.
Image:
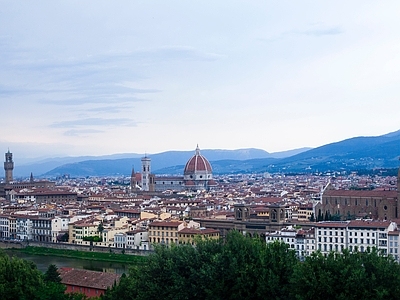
(75, 100)
(94, 122)
(322, 32)
(176, 53)
(107, 109)
(81, 132)
(314, 32)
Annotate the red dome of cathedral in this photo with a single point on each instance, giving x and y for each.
(197, 164)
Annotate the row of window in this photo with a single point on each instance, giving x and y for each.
(158, 233)
(356, 202)
(350, 233)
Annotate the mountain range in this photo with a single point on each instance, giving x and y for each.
(358, 153)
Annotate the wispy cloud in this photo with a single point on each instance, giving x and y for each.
(313, 32)
(82, 132)
(321, 32)
(94, 122)
(106, 109)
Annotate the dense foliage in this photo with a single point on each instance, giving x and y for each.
(20, 279)
(94, 238)
(248, 268)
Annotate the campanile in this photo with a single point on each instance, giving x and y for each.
(9, 167)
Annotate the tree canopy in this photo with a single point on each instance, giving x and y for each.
(20, 279)
(247, 268)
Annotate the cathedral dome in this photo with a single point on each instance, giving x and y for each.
(198, 165)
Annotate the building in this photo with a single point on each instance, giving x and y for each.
(41, 229)
(353, 235)
(165, 232)
(8, 167)
(351, 204)
(134, 239)
(190, 235)
(197, 175)
(7, 187)
(89, 283)
(4, 227)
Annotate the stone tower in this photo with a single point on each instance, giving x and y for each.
(133, 180)
(9, 167)
(398, 192)
(146, 162)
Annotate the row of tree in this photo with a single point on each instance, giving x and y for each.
(238, 267)
(20, 279)
(241, 267)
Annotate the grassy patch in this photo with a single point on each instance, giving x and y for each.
(88, 255)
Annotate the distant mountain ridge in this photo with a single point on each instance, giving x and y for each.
(351, 154)
(162, 160)
(122, 165)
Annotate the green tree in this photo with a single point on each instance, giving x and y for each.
(238, 268)
(319, 217)
(52, 274)
(367, 275)
(19, 279)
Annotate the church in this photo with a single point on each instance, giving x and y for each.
(371, 204)
(197, 176)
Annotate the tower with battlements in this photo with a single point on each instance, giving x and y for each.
(8, 167)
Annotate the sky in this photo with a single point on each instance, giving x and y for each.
(103, 77)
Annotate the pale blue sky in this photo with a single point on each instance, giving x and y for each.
(103, 77)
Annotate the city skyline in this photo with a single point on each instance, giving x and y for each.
(98, 78)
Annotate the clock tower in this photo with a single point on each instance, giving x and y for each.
(9, 167)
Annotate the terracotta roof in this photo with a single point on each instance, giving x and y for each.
(335, 224)
(86, 278)
(369, 224)
(165, 224)
(357, 193)
(197, 163)
(198, 231)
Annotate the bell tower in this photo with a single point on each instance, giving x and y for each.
(146, 162)
(9, 167)
(398, 192)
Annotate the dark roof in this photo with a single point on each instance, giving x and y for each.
(86, 278)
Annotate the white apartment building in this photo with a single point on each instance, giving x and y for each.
(23, 227)
(331, 236)
(305, 243)
(301, 241)
(138, 239)
(354, 235)
(4, 227)
(59, 226)
(286, 235)
(135, 239)
(393, 245)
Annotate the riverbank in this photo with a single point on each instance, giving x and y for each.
(85, 255)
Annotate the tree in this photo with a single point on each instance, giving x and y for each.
(320, 217)
(367, 275)
(19, 279)
(52, 274)
(100, 228)
(238, 268)
(312, 218)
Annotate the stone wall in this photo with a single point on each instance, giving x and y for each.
(68, 246)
